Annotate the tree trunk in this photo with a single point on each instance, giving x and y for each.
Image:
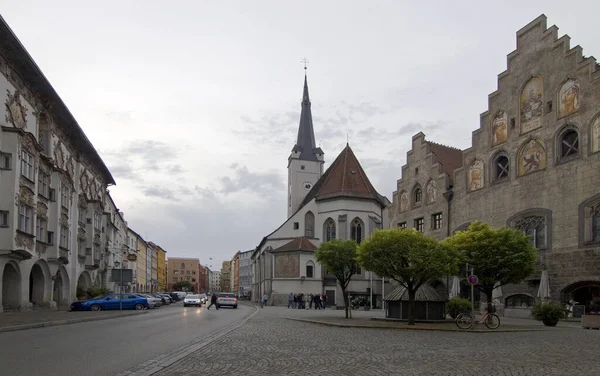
(346, 302)
(411, 306)
(488, 297)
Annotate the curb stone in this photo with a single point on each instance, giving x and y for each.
(407, 328)
(161, 362)
(65, 322)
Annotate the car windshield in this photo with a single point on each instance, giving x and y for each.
(192, 297)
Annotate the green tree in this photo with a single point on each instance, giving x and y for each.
(501, 255)
(181, 285)
(339, 258)
(409, 257)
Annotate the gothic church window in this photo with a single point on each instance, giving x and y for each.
(356, 230)
(534, 227)
(501, 167)
(589, 220)
(329, 230)
(568, 144)
(309, 224)
(417, 195)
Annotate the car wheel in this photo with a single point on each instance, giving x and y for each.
(235, 306)
(185, 305)
(96, 308)
(138, 307)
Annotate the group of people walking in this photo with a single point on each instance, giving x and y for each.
(303, 301)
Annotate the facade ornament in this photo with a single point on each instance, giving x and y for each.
(64, 219)
(71, 167)
(27, 196)
(16, 112)
(25, 241)
(59, 157)
(42, 210)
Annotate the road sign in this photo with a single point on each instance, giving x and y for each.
(473, 280)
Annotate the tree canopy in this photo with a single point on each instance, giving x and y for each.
(339, 258)
(409, 257)
(499, 256)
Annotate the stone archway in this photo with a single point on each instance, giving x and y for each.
(84, 282)
(97, 282)
(61, 292)
(11, 287)
(583, 292)
(39, 283)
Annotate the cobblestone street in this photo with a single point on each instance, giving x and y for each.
(268, 344)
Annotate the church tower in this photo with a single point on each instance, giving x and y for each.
(305, 163)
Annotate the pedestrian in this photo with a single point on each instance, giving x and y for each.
(291, 300)
(213, 301)
(265, 299)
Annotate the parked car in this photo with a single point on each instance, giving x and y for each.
(111, 302)
(192, 300)
(167, 297)
(203, 298)
(163, 299)
(157, 301)
(227, 299)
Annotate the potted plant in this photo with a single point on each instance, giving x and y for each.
(548, 313)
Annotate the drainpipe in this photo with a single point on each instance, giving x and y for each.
(448, 195)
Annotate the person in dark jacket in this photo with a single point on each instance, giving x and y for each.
(213, 301)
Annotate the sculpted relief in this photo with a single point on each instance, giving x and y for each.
(531, 157)
(595, 135)
(403, 202)
(287, 266)
(475, 176)
(16, 112)
(431, 190)
(531, 105)
(568, 98)
(499, 128)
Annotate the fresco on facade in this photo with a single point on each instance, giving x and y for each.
(499, 128)
(16, 112)
(532, 157)
(287, 266)
(595, 134)
(403, 201)
(531, 105)
(568, 98)
(475, 176)
(431, 191)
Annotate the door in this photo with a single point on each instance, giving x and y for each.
(330, 294)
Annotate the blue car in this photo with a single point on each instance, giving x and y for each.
(111, 301)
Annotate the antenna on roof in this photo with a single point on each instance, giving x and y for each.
(305, 61)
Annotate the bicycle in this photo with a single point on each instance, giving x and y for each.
(465, 320)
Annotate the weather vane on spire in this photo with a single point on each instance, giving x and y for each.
(305, 61)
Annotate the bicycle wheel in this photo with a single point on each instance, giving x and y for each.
(464, 321)
(492, 321)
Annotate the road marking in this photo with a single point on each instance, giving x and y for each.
(161, 362)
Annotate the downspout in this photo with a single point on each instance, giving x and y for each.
(449, 195)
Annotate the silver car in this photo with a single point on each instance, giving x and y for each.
(227, 299)
(192, 300)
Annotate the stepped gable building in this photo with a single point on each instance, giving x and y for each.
(534, 165)
(338, 203)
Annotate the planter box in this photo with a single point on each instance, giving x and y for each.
(590, 321)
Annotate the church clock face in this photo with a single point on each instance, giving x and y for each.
(307, 185)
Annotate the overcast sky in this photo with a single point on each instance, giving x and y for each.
(194, 105)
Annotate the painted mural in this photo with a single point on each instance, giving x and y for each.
(287, 266)
(16, 112)
(568, 98)
(431, 190)
(499, 128)
(531, 105)
(532, 157)
(403, 201)
(475, 176)
(596, 135)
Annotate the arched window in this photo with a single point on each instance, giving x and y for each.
(329, 230)
(568, 144)
(310, 269)
(536, 224)
(417, 195)
(309, 224)
(356, 230)
(519, 301)
(501, 167)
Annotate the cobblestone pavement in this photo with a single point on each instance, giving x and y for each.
(268, 344)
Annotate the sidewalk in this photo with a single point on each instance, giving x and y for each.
(11, 321)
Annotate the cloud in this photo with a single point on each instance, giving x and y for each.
(119, 116)
(278, 128)
(160, 192)
(257, 182)
(144, 155)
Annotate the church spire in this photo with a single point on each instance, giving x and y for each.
(305, 144)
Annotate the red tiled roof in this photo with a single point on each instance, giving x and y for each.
(344, 178)
(448, 157)
(298, 244)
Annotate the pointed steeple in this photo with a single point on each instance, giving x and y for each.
(305, 144)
